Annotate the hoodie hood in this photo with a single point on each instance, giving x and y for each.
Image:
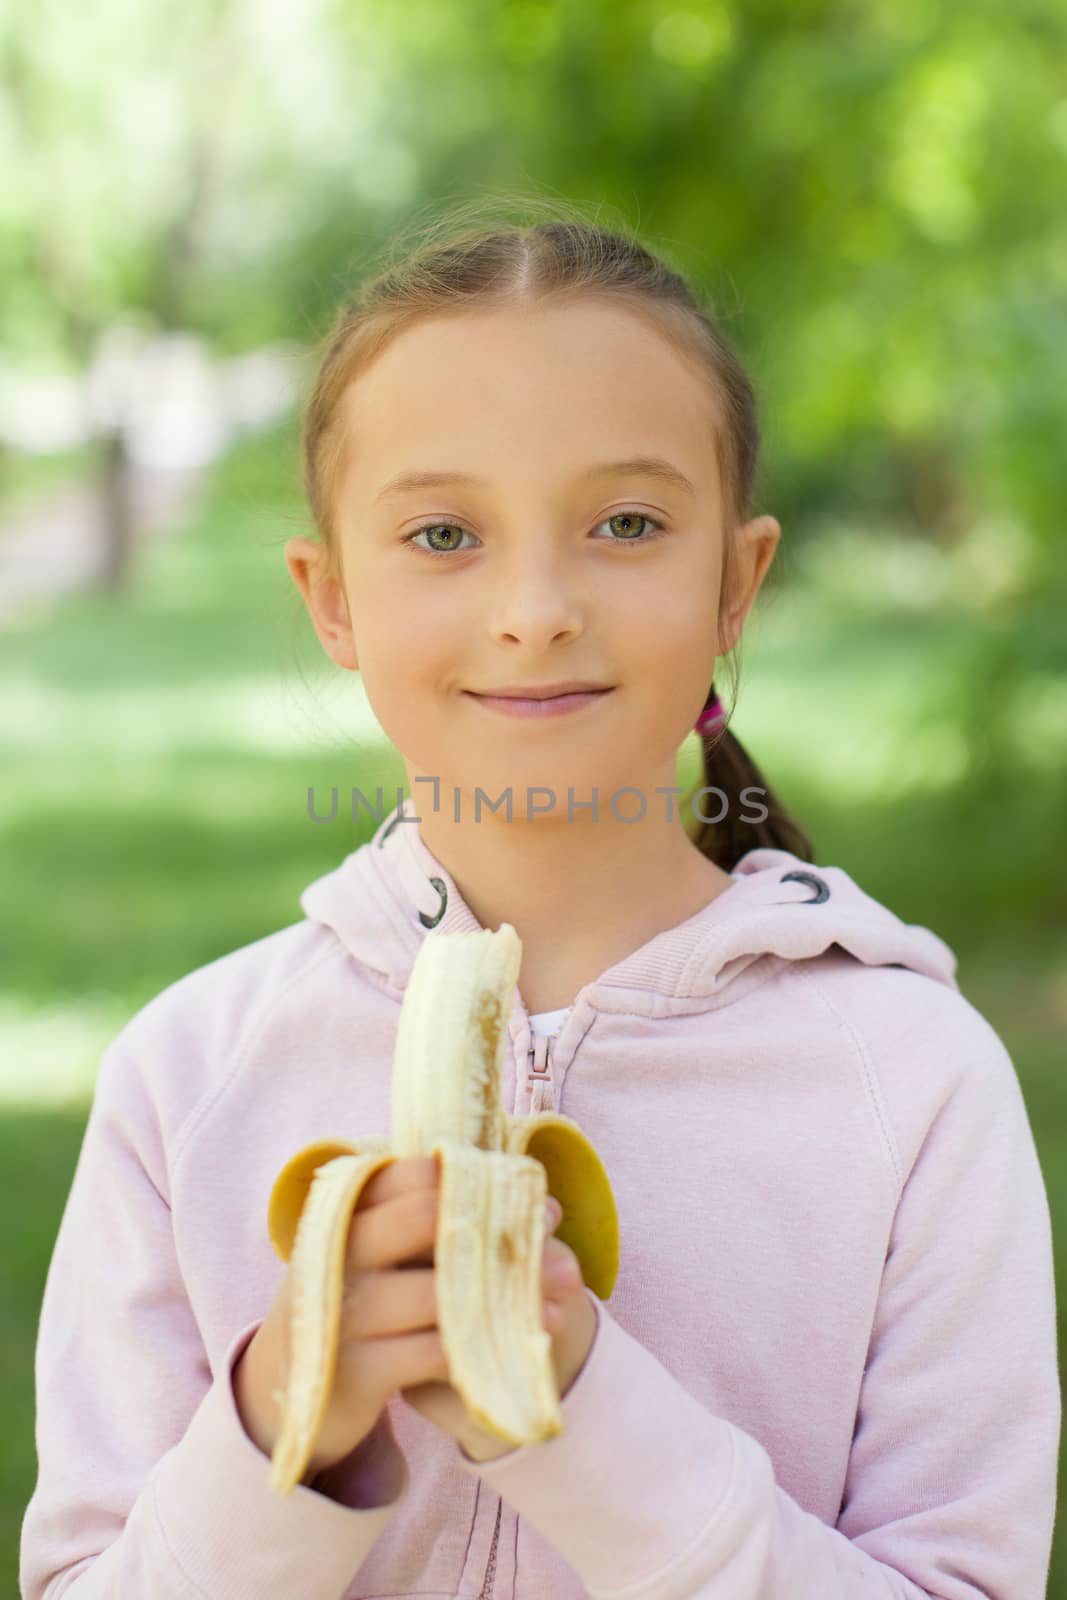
(384, 897)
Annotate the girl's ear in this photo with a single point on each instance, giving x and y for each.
(752, 553)
(325, 599)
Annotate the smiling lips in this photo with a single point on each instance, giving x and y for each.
(541, 691)
(540, 704)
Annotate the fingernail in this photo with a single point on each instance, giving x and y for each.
(553, 1211)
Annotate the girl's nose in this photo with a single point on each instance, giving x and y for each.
(538, 611)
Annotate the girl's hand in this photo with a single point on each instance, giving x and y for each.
(388, 1334)
(569, 1319)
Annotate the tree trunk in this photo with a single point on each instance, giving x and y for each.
(117, 530)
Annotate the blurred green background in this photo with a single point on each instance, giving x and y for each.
(870, 197)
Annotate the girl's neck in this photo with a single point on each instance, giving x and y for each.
(580, 896)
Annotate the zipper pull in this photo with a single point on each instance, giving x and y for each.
(539, 1074)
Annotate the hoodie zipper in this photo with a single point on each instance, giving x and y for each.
(543, 1098)
(486, 1590)
(539, 1074)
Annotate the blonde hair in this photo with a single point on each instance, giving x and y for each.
(465, 260)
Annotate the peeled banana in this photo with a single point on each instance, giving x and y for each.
(495, 1172)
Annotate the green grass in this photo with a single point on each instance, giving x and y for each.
(158, 750)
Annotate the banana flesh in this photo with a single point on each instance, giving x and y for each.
(495, 1173)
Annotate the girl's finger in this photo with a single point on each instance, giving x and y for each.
(560, 1271)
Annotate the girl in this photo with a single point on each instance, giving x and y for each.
(828, 1366)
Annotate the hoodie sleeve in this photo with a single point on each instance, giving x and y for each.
(147, 1483)
(952, 1473)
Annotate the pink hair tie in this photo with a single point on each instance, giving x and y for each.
(711, 719)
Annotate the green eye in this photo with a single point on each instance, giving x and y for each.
(433, 527)
(631, 516)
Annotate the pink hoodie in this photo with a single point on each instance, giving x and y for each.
(828, 1368)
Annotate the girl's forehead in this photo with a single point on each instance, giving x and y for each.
(567, 385)
(566, 336)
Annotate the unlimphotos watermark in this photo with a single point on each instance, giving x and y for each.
(536, 808)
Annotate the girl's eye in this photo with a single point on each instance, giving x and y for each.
(631, 517)
(434, 527)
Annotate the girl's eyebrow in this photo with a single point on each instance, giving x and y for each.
(633, 466)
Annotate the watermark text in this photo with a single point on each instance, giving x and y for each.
(620, 803)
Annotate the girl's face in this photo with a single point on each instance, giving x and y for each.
(543, 562)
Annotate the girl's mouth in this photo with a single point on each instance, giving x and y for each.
(557, 706)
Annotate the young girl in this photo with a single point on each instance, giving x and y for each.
(828, 1366)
